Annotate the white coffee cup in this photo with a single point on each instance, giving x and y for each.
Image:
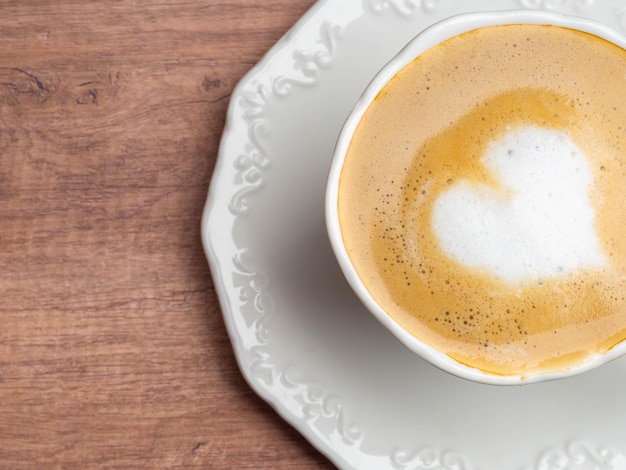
(424, 41)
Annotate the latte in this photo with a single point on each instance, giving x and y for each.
(481, 201)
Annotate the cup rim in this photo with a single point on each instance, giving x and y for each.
(426, 39)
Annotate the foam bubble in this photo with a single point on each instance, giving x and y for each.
(537, 223)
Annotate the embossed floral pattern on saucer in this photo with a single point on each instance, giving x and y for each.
(302, 340)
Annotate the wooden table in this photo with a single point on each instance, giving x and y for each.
(113, 350)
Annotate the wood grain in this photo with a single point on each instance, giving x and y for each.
(113, 350)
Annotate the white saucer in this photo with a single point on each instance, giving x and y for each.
(302, 339)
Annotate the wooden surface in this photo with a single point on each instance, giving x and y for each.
(113, 350)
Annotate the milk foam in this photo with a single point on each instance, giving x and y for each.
(537, 223)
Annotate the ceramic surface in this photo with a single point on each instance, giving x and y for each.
(302, 339)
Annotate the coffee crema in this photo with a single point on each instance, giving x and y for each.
(480, 200)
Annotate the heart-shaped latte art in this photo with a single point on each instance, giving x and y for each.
(537, 222)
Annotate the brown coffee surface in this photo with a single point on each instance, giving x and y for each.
(428, 128)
